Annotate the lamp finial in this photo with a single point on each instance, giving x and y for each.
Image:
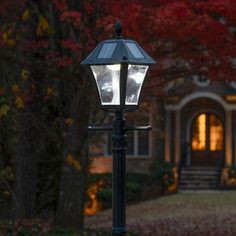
(118, 30)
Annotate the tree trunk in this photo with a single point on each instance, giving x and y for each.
(73, 177)
(26, 166)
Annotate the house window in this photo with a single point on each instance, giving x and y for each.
(201, 80)
(137, 141)
(137, 144)
(207, 133)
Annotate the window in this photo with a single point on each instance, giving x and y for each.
(207, 133)
(201, 80)
(137, 141)
(137, 144)
(199, 133)
(216, 133)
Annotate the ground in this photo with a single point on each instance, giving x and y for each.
(182, 214)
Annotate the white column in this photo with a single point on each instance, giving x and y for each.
(167, 136)
(228, 138)
(177, 136)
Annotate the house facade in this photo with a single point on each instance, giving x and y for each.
(194, 126)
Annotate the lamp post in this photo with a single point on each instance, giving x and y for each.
(119, 67)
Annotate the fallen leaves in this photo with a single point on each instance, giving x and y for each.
(4, 109)
(185, 214)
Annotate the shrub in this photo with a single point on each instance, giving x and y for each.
(161, 174)
(232, 172)
(133, 191)
(105, 197)
(134, 186)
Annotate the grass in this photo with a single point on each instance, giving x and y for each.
(184, 214)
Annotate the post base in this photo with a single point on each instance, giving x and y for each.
(119, 231)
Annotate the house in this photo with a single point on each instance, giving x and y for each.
(193, 127)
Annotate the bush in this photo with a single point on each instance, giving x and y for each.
(105, 197)
(232, 172)
(161, 174)
(133, 191)
(134, 186)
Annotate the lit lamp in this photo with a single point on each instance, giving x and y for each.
(119, 67)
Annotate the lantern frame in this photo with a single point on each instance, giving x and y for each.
(124, 52)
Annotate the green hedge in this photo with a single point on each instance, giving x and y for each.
(161, 176)
(134, 184)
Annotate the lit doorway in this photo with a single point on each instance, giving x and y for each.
(207, 140)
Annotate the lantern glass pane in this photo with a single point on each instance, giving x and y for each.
(136, 75)
(107, 78)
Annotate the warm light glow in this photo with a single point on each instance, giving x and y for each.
(216, 134)
(93, 206)
(199, 136)
(114, 67)
(136, 75)
(107, 78)
(208, 133)
(230, 98)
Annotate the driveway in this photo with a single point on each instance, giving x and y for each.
(199, 213)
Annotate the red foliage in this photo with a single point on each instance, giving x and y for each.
(74, 16)
(70, 44)
(61, 5)
(199, 33)
(64, 62)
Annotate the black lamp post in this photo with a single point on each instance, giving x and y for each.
(119, 67)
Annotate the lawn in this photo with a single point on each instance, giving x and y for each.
(183, 214)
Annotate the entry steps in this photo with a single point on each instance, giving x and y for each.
(198, 178)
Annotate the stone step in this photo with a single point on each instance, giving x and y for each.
(200, 168)
(193, 187)
(204, 172)
(198, 185)
(186, 182)
(198, 178)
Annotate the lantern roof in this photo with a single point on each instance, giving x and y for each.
(118, 50)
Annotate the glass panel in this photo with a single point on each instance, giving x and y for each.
(107, 78)
(134, 50)
(143, 143)
(216, 133)
(107, 50)
(136, 75)
(199, 133)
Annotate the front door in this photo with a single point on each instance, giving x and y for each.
(207, 140)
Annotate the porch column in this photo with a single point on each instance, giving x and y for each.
(157, 134)
(167, 136)
(177, 136)
(228, 139)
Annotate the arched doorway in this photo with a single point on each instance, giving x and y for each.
(207, 139)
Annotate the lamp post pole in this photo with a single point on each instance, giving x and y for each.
(118, 177)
